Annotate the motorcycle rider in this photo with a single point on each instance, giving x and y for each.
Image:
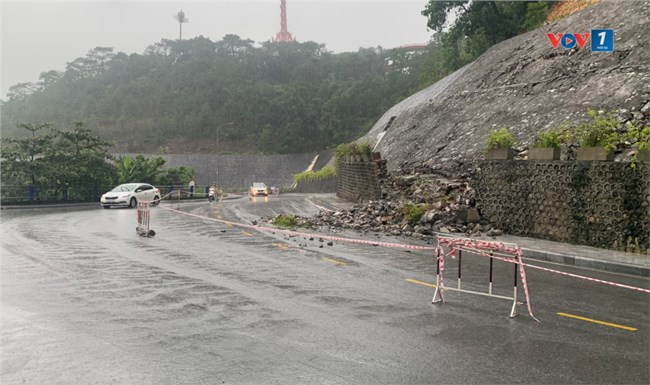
(213, 192)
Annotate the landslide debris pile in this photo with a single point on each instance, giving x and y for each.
(417, 202)
(526, 85)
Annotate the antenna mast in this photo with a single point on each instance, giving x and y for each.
(180, 16)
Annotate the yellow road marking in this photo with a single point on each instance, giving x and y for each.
(246, 233)
(598, 322)
(280, 245)
(421, 283)
(334, 261)
(629, 328)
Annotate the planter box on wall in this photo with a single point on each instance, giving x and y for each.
(544, 154)
(500, 153)
(594, 153)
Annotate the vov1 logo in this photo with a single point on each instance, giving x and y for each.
(568, 40)
(602, 40)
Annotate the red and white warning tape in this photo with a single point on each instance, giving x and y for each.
(298, 233)
(475, 246)
(589, 278)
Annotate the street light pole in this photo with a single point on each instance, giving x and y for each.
(218, 127)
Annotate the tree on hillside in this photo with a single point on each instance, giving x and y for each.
(55, 162)
(49, 78)
(176, 176)
(21, 91)
(233, 46)
(470, 27)
(499, 19)
(150, 170)
(78, 157)
(139, 169)
(23, 157)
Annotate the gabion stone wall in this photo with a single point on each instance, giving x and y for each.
(358, 181)
(602, 204)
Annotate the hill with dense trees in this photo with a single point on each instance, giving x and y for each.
(278, 98)
(234, 96)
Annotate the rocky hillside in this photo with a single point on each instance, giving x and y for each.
(432, 140)
(526, 85)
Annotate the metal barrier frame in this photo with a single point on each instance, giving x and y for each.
(144, 215)
(506, 252)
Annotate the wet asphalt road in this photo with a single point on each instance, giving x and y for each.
(85, 300)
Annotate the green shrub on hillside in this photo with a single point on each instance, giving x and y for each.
(344, 150)
(365, 148)
(499, 139)
(549, 139)
(638, 137)
(602, 131)
(288, 220)
(325, 172)
(413, 213)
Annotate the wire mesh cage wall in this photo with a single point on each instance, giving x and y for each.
(603, 204)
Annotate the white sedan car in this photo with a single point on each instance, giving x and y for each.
(129, 194)
(258, 189)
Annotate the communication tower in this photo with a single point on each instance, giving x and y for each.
(180, 16)
(283, 35)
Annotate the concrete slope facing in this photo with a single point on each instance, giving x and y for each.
(527, 85)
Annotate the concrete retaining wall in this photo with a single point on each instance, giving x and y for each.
(240, 171)
(326, 185)
(602, 204)
(324, 157)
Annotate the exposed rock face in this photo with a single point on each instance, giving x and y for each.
(526, 85)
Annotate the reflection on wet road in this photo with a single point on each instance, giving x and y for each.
(86, 300)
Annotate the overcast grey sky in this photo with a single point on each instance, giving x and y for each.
(39, 36)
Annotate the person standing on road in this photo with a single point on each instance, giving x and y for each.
(192, 185)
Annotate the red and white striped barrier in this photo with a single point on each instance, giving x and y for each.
(144, 215)
(510, 253)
